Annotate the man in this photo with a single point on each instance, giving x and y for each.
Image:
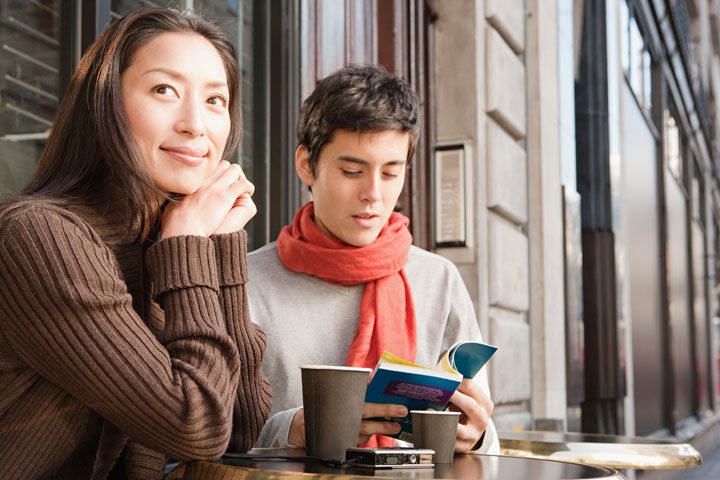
(343, 282)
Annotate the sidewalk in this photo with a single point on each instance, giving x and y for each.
(709, 469)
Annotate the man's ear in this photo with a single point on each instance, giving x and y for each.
(302, 166)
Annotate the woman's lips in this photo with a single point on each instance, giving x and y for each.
(187, 155)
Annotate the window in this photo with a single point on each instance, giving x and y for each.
(29, 66)
(636, 57)
(698, 196)
(673, 150)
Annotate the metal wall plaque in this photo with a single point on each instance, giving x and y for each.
(450, 196)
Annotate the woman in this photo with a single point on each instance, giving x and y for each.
(124, 337)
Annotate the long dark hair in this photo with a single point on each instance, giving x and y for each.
(91, 153)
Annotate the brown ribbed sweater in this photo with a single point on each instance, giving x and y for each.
(114, 355)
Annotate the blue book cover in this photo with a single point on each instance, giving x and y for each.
(401, 382)
(467, 358)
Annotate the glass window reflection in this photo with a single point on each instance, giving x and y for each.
(29, 65)
(624, 38)
(673, 152)
(635, 57)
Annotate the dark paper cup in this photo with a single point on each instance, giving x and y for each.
(333, 399)
(435, 430)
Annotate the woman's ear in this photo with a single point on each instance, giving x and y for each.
(302, 166)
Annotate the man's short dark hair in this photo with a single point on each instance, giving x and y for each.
(364, 99)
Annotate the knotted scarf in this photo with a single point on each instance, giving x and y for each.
(387, 315)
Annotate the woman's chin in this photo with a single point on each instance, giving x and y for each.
(179, 188)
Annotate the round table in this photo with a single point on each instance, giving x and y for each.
(613, 451)
(469, 466)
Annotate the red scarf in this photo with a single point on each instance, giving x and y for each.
(387, 315)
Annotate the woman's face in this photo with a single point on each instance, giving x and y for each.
(176, 99)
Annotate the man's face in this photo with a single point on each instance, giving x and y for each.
(357, 181)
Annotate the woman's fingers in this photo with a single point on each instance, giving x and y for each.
(222, 204)
(243, 210)
(217, 173)
(241, 187)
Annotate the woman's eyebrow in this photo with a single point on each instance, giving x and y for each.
(179, 76)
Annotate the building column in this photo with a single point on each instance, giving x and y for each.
(545, 226)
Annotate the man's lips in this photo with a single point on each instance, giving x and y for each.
(366, 220)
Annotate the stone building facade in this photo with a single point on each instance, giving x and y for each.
(481, 97)
(592, 258)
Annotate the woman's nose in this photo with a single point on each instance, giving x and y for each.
(191, 120)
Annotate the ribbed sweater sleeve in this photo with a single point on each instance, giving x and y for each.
(253, 400)
(68, 316)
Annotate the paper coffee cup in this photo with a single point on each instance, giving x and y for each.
(435, 430)
(333, 399)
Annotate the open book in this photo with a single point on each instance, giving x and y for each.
(404, 383)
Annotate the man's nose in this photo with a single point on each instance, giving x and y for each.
(371, 189)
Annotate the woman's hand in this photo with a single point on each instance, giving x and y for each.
(222, 204)
(242, 210)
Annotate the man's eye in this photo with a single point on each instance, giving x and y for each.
(350, 173)
(390, 175)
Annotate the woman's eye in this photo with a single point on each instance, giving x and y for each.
(218, 100)
(390, 175)
(164, 90)
(350, 173)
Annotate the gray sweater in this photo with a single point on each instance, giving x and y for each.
(310, 321)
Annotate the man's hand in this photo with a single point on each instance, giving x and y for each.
(296, 435)
(369, 428)
(475, 407)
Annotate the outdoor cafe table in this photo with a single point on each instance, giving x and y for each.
(468, 466)
(613, 451)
